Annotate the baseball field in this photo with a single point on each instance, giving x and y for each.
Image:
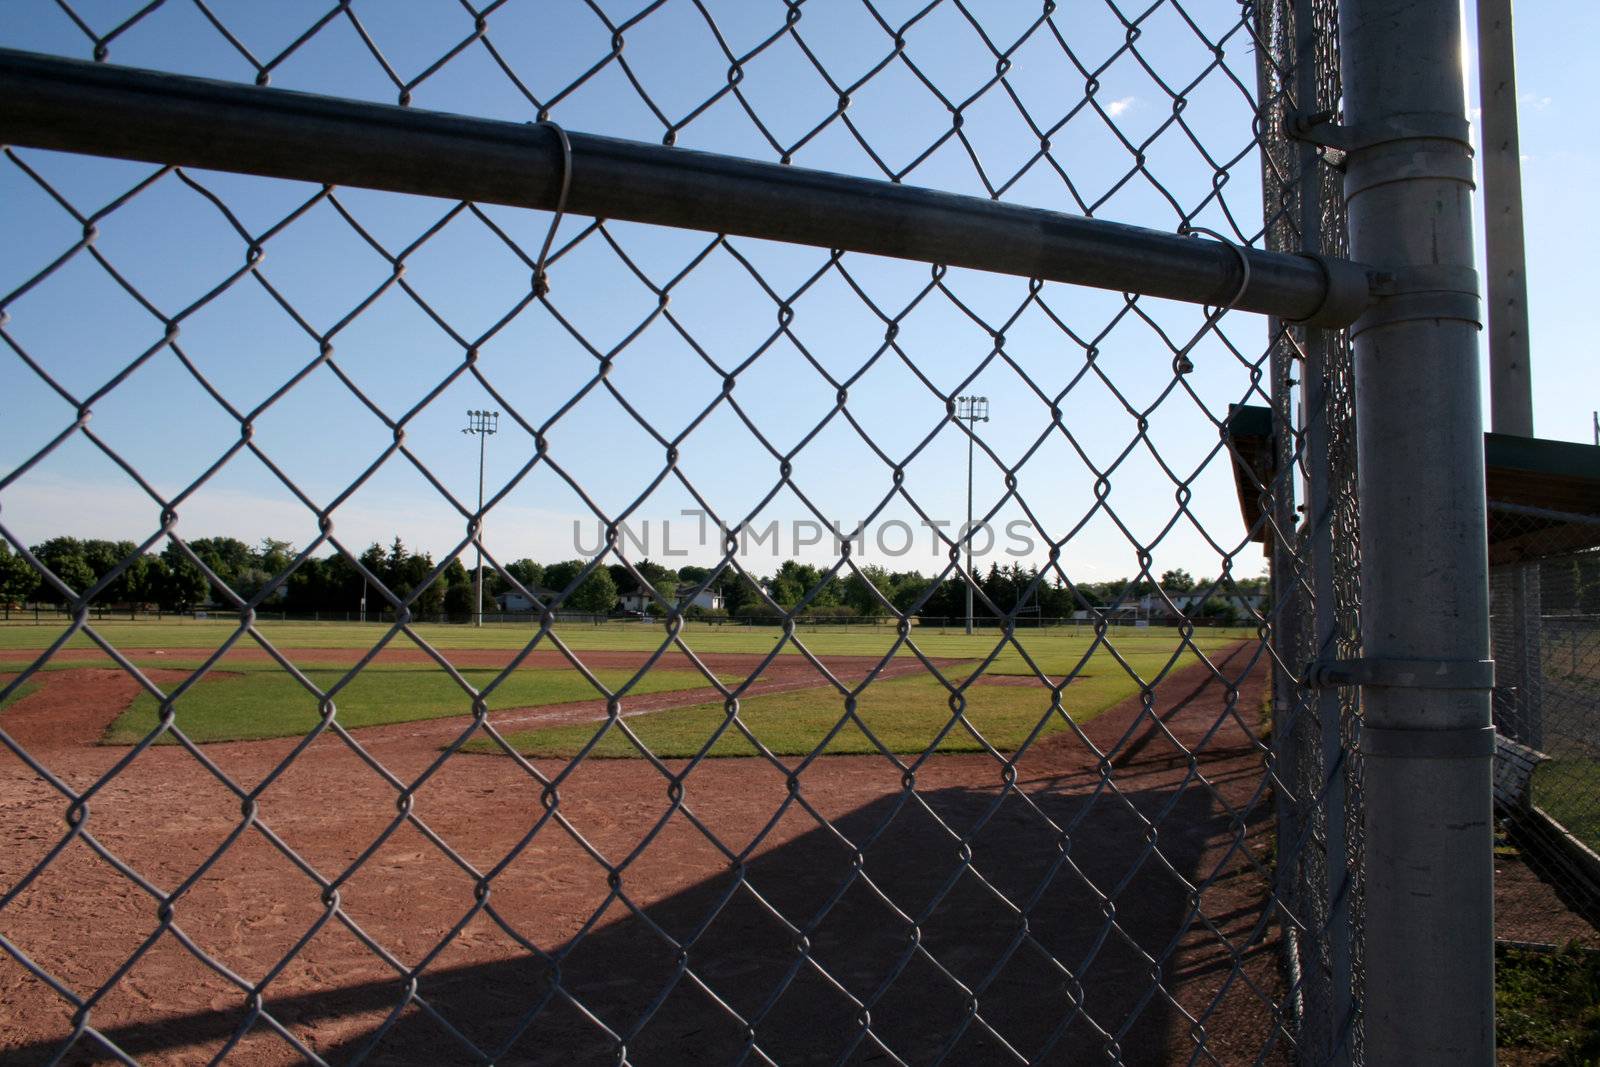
(342, 840)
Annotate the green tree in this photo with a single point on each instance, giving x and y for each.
(17, 577)
(596, 595)
(185, 584)
(63, 557)
(908, 589)
(741, 596)
(694, 574)
(103, 557)
(407, 578)
(231, 560)
(1177, 580)
(526, 571)
(460, 604)
(1222, 609)
(862, 591)
(794, 580)
(460, 589)
(144, 580)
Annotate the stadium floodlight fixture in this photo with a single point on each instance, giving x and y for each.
(481, 423)
(971, 410)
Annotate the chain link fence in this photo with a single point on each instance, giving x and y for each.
(1543, 583)
(1316, 559)
(1110, 840)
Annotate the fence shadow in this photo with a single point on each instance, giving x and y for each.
(1096, 906)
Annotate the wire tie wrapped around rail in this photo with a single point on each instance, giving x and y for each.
(1214, 315)
(541, 281)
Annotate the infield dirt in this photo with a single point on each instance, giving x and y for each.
(1159, 874)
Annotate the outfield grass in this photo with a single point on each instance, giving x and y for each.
(1057, 650)
(1566, 790)
(262, 701)
(906, 715)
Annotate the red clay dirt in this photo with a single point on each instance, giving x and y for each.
(835, 885)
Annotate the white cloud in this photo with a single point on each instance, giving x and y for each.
(1533, 101)
(1121, 105)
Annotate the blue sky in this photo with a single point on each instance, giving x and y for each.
(470, 291)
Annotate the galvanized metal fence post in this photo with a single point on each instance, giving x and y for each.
(1426, 734)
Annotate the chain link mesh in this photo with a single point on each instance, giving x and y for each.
(1543, 585)
(1091, 886)
(1318, 566)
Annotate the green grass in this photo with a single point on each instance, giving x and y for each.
(262, 701)
(1566, 790)
(19, 693)
(905, 714)
(1057, 650)
(1549, 1003)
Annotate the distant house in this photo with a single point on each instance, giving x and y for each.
(636, 600)
(640, 599)
(709, 599)
(1190, 605)
(514, 603)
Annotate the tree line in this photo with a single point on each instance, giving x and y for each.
(330, 584)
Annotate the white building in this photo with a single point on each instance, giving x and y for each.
(640, 599)
(514, 603)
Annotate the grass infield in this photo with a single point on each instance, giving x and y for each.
(904, 715)
(263, 701)
(18, 693)
(248, 699)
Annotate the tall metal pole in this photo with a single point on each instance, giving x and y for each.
(478, 583)
(482, 423)
(1426, 734)
(973, 410)
(971, 577)
(1510, 376)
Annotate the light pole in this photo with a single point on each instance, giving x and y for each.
(481, 423)
(972, 410)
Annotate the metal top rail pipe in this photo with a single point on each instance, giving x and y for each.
(75, 106)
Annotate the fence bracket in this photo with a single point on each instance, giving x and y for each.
(1423, 291)
(1318, 128)
(1403, 673)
